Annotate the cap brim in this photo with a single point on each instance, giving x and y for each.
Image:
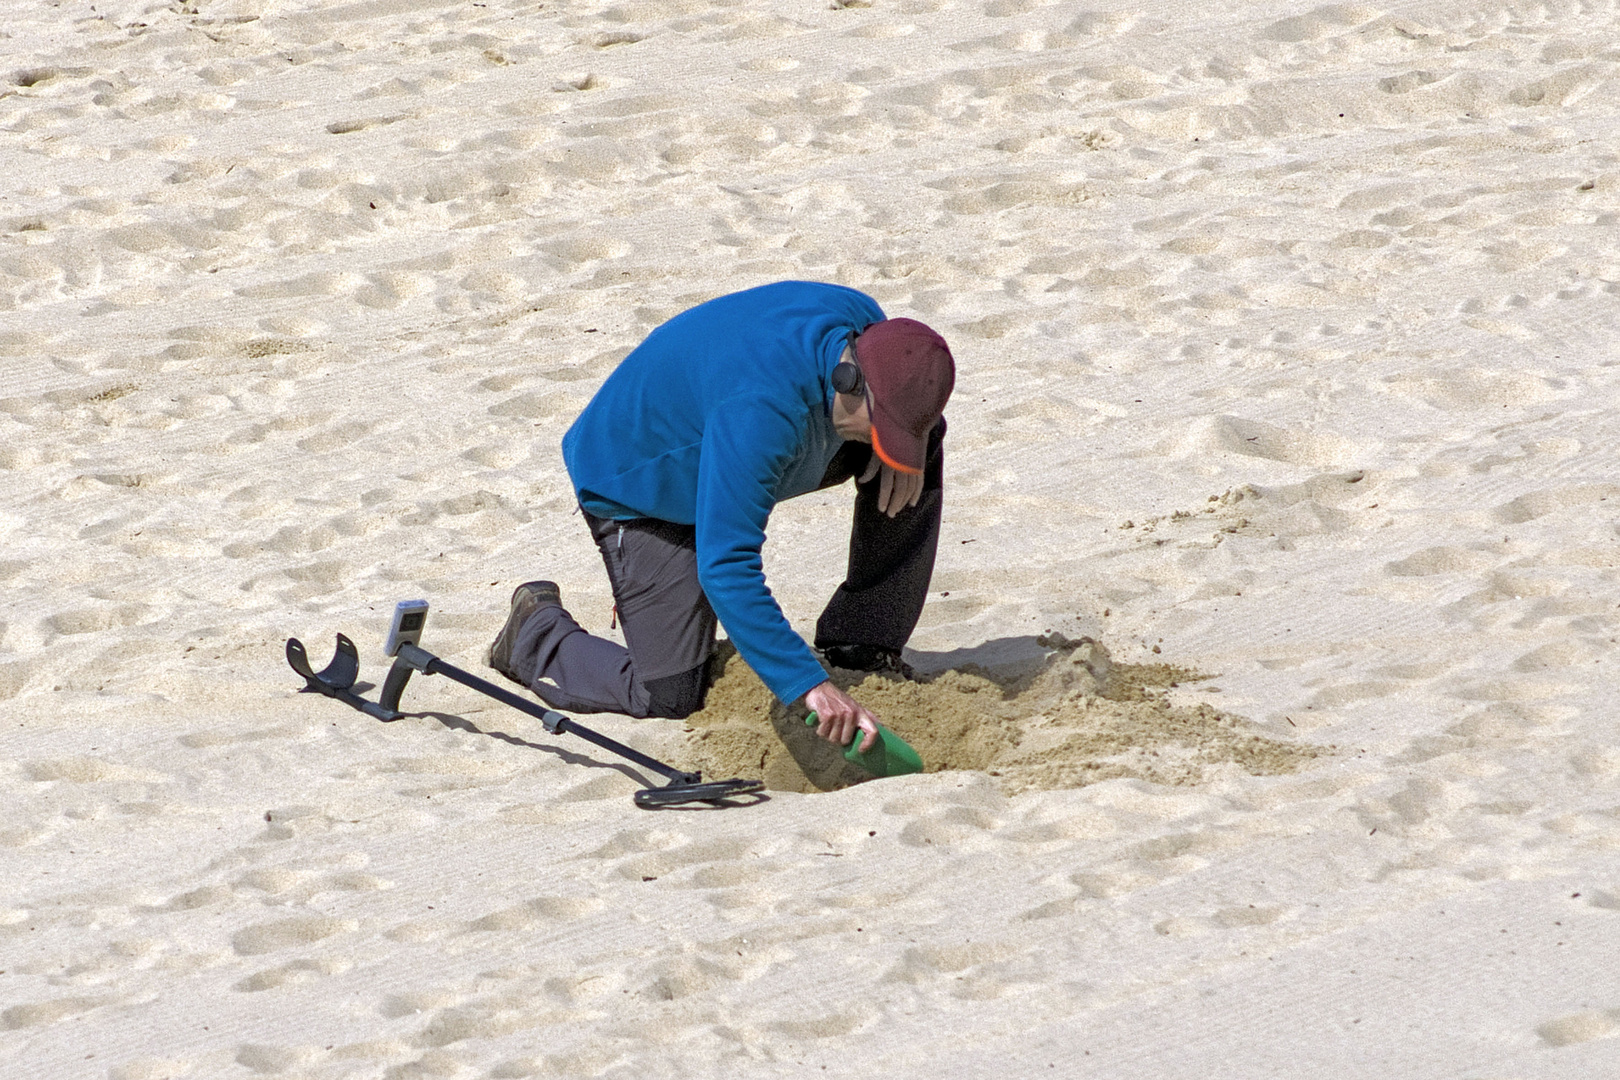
(896, 447)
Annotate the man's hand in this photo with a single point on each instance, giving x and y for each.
(840, 715)
(897, 490)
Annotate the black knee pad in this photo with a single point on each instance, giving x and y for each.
(675, 697)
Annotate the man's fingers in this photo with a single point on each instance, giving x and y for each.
(838, 717)
(896, 490)
(848, 727)
(871, 736)
(836, 729)
(896, 494)
(843, 731)
(907, 497)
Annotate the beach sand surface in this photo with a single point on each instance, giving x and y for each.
(1286, 337)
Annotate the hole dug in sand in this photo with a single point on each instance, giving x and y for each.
(1074, 719)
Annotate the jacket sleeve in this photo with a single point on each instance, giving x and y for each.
(747, 446)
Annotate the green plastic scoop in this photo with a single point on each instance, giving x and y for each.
(890, 754)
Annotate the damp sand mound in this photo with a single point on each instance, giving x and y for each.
(1073, 719)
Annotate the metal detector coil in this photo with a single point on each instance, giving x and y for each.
(715, 793)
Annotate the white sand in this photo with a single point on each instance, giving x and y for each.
(296, 299)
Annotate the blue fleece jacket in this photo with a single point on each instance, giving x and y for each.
(723, 412)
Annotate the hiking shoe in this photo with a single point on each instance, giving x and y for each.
(873, 658)
(526, 599)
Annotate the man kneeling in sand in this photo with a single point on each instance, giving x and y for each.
(677, 462)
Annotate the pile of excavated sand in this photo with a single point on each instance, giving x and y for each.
(1074, 719)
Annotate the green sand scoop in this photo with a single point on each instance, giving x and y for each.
(890, 754)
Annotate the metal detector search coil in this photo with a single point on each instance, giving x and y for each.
(337, 680)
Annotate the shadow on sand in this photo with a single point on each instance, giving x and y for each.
(569, 757)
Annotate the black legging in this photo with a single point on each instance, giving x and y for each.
(891, 560)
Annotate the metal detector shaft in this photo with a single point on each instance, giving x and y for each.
(421, 660)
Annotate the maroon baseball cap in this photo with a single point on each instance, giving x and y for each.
(910, 374)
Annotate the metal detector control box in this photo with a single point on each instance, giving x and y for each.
(406, 629)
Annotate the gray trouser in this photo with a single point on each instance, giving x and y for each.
(669, 627)
(668, 630)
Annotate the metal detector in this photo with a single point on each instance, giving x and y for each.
(337, 679)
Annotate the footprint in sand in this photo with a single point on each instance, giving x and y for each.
(956, 826)
(205, 896)
(540, 910)
(152, 1069)
(669, 860)
(830, 1025)
(1256, 438)
(973, 971)
(279, 934)
(40, 1013)
(89, 770)
(1541, 503)
(683, 976)
(1580, 1027)
(1442, 560)
(293, 974)
(1458, 389)
(1053, 826)
(268, 1058)
(1006, 9)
